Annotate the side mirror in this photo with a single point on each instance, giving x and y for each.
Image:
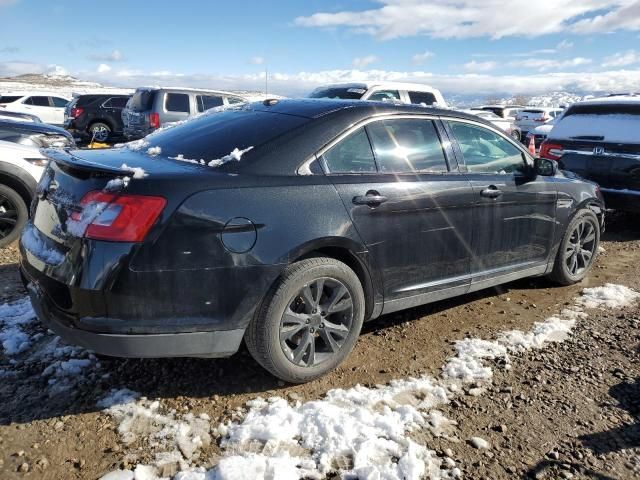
(545, 167)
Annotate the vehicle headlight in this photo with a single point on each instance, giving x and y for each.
(55, 141)
(40, 161)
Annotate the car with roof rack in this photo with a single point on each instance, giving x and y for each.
(288, 223)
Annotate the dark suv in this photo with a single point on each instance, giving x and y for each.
(289, 223)
(96, 117)
(599, 140)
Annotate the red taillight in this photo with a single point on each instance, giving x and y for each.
(118, 218)
(154, 120)
(551, 151)
(76, 112)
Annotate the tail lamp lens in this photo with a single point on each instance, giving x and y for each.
(154, 120)
(551, 151)
(76, 112)
(117, 218)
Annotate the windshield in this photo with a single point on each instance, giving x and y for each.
(345, 93)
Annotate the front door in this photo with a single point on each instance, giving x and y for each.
(407, 205)
(514, 213)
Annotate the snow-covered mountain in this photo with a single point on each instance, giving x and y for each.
(60, 83)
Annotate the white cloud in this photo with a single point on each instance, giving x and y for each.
(103, 68)
(564, 45)
(544, 64)
(256, 60)
(494, 18)
(474, 66)
(362, 62)
(622, 59)
(420, 58)
(114, 56)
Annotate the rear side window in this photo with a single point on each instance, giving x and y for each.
(142, 100)
(407, 146)
(485, 151)
(205, 102)
(59, 102)
(533, 111)
(351, 155)
(9, 98)
(419, 98)
(385, 96)
(177, 102)
(37, 101)
(115, 102)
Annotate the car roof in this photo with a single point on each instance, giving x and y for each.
(370, 84)
(319, 107)
(500, 105)
(190, 90)
(612, 99)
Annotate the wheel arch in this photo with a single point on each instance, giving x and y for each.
(21, 182)
(352, 254)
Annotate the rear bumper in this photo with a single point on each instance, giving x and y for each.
(212, 344)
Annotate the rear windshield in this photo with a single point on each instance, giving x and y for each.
(419, 98)
(532, 111)
(613, 123)
(339, 92)
(9, 98)
(216, 135)
(142, 100)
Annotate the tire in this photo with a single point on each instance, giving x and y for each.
(271, 337)
(100, 132)
(583, 227)
(515, 134)
(14, 214)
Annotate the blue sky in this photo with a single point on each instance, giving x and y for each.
(463, 46)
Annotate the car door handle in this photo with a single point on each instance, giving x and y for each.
(371, 199)
(491, 192)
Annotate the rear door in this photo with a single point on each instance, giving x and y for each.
(40, 106)
(514, 214)
(58, 105)
(408, 204)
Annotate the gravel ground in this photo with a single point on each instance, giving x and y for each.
(568, 411)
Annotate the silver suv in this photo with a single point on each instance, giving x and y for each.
(151, 108)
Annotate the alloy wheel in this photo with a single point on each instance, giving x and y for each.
(316, 322)
(579, 251)
(100, 133)
(8, 216)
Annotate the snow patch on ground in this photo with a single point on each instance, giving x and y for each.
(26, 342)
(358, 432)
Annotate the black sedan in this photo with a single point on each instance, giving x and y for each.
(289, 223)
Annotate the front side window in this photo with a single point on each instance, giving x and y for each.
(205, 102)
(177, 102)
(37, 101)
(407, 146)
(419, 98)
(9, 98)
(385, 96)
(485, 151)
(351, 155)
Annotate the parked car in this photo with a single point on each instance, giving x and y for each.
(504, 124)
(20, 170)
(530, 118)
(409, 93)
(540, 133)
(503, 111)
(598, 139)
(40, 135)
(18, 117)
(287, 224)
(48, 107)
(96, 116)
(152, 108)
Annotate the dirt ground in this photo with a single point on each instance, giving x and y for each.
(569, 411)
